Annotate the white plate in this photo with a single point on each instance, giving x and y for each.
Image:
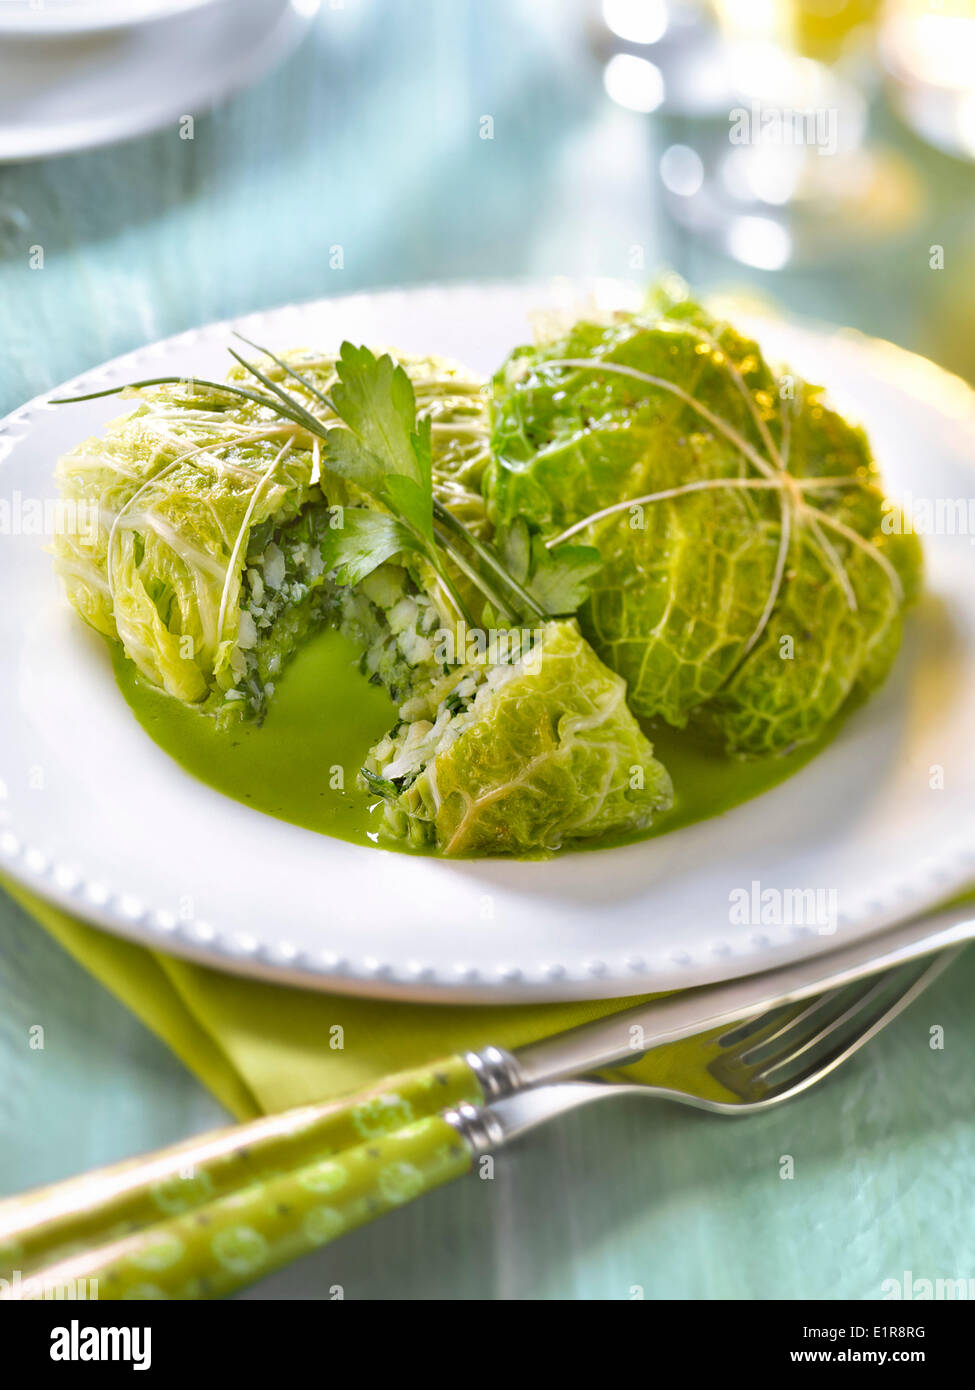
(41, 18)
(75, 92)
(99, 819)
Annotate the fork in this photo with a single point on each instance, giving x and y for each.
(210, 1215)
(759, 1063)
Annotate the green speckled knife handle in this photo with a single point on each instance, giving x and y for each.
(218, 1248)
(41, 1228)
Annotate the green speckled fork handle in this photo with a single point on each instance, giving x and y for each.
(225, 1244)
(40, 1228)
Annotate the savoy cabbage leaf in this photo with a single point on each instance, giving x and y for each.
(747, 586)
(547, 752)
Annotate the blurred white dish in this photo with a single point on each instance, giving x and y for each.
(48, 17)
(75, 92)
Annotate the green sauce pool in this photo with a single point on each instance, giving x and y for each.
(300, 765)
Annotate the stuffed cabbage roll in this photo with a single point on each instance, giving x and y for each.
(213, 509)
(520, 757)
(748, 584)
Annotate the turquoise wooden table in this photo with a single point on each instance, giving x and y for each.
(359, 164)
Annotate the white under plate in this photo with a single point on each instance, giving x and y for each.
(41, 18)
(74, 91)
(96, 817)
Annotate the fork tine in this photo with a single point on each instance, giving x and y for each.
(817, 1021)
(764, 1023)
(850, 1020)
(741, 1068)
(792, 1023)
(857, 1023)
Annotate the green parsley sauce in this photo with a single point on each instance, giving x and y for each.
(301, 764)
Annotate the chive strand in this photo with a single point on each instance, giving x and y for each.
(455, 596)
(222, 387)
(487, 557)
(310, 421)
(308, 385)
(478, 580)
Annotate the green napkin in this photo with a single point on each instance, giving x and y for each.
(261, 1048)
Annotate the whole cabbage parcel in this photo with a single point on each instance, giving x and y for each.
(749, 587)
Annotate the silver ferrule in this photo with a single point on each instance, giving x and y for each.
(480, 1130)
(497, 1072)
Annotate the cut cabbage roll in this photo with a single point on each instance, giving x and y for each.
(519, 757)
(212, 509)
(748, 585)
